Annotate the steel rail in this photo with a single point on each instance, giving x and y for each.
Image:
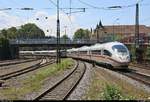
(73, 87)
(58, 84)
(17, 62)
(138, 77)
(25, 70)
(140, 66)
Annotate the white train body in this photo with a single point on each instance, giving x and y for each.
(43, 52)
(113, 54)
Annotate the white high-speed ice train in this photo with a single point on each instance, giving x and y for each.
(112, 54)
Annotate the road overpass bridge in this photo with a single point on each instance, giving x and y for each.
(63, 43)
(50, 42)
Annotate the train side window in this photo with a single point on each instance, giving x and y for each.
(96, 52)
(107, 53)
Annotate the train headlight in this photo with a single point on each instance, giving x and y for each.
(128, 58)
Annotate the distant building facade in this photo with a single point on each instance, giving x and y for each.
(118, 32)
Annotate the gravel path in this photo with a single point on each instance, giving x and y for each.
(81, 89)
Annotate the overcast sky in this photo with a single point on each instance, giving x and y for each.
(95, 11)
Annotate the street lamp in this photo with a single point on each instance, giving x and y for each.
(113, 28)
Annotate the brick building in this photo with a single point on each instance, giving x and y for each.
(118, 32)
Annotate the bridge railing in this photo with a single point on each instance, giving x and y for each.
(31, 41)
(68, 41)
(51, 41)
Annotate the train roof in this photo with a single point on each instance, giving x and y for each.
(72, 50)
(84, 48)
(97, 46)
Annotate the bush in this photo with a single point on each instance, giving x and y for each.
(112, 92)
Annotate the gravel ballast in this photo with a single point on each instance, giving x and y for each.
(81, 89)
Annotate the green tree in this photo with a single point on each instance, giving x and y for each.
(12, 32)
(26, 31)
(30, 31)
(4, 33)
(82, 34)
(117, 37)
(65, 37)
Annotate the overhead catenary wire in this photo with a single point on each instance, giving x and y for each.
(92, 6)
(83, 2)
(62, 11)
(110, 7)
(5, 10)
(23, 8)
(69, 17)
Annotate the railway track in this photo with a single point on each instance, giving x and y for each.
(132, 73)
(63, 88)
(2, 64)
(25, 70)
(140, 66)
(138, 77)
(3, 61)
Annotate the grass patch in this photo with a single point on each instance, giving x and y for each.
(34, 82)
(112, 92)
(106, 86)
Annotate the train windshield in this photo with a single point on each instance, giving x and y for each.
(119, 49)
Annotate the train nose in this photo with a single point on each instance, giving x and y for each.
(124, 58)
